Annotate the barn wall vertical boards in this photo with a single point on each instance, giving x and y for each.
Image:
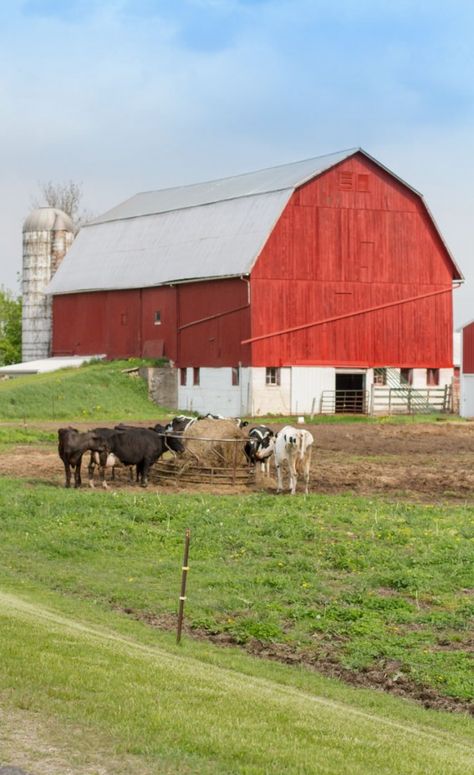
(192, 324)
(354, 240)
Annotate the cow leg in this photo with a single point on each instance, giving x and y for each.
(145, 467)
(67, 471)
(140, 468)
(102, 465)
(307, 465)
(77, 473)
(279, 483)
(90, 470)
(292, 469)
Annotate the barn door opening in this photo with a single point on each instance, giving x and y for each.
(350, 393)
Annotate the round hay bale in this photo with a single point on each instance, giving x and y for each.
(215, 443)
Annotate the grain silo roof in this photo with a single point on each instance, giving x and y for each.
(205, 230)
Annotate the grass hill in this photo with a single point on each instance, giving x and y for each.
(96, 391)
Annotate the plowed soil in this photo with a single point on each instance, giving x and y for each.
(422, 461)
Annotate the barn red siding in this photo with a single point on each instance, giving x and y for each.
(122, 323)
(216, 341)
(468, 349)
(353, 239)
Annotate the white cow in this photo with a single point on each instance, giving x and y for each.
(293, 446)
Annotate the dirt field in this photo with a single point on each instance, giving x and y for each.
(418, 461)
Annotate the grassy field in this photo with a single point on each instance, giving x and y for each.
(84, 574)
(361, 584)
(96, 391)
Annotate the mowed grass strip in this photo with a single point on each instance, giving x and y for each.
(96, 391)
(355, 582)
(185, 715)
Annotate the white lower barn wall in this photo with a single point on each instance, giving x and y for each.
(299, 392)
(215, 393)
(467, 395)
(269, 399)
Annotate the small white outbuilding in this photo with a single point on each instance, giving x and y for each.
(467, 370)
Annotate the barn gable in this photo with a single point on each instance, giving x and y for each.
(355, 273)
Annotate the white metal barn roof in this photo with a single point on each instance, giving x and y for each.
(206, 230)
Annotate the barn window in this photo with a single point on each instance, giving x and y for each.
(362, 183)
(272, 375)
(346, 181)
(380, 376)
(158, 317)
(235, 376)
(196, 376)
(406, 376)
(183, 374)
(432, 377)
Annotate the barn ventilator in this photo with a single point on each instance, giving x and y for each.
(190, 467)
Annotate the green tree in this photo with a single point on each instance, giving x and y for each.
(10, 328)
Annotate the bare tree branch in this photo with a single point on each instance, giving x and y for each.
(66, 197)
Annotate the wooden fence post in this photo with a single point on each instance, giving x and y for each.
(184, 577)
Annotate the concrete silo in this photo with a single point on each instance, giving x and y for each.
(47, 235)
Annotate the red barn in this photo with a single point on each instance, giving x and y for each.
(269, 288)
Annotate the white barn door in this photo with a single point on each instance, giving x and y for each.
(307, 385)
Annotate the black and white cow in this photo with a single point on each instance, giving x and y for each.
(238, 421)
(259, 447)
(180, 423)
(293, 447)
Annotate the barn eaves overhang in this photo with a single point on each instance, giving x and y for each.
(205, 231)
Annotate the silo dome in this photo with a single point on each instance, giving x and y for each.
(48, 219)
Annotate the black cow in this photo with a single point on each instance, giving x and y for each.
(140, 447)
(259, 447)
(112, 460)
(71, 446)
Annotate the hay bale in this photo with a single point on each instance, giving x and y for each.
(204, 442)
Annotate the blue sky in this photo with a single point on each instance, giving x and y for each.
(126, 96)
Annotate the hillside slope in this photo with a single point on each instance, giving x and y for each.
(96, 391)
